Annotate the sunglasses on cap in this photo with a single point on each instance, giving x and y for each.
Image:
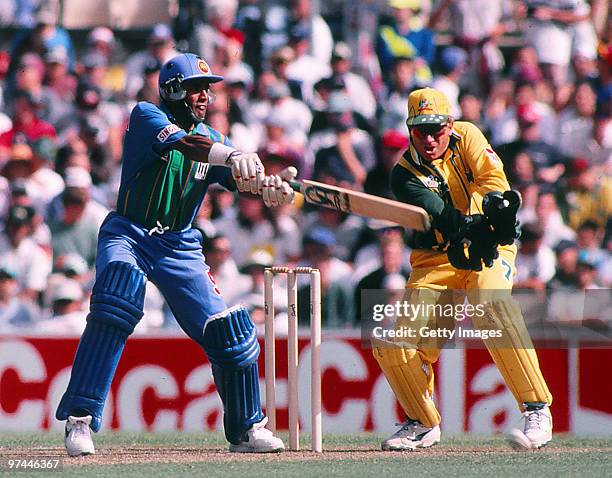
(424, 130)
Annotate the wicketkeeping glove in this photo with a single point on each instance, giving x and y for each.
(482, 245)
(500, 210)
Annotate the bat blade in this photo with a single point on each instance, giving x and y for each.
(367, 205)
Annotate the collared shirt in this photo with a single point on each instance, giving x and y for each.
(159, 185)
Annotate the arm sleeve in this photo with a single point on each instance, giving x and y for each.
(445, 219)
(483, 161)
(150, 125)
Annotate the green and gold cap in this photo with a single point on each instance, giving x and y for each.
(427, 106)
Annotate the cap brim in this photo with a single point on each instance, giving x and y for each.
(427, 119)
(209, 78)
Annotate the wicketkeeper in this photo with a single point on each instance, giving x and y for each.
(170, 158)
(453, 173)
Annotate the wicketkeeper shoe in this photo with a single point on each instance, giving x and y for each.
(78, 436)
(412, 435)
(258, 439)
(537, 431)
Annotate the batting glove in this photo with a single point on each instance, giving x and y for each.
(247, 169)
(276, 189)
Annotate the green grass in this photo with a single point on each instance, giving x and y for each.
(203, 455)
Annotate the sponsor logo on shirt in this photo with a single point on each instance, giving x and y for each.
(165, 133)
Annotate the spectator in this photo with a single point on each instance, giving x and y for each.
(305, 68)
(395, 97)
(548, 163)
(14, 311)
(393, 144)
(470, 105)
(27, 123)
(367, 253)
(550, 219)
(392, 256)
(321, 36)
(254, 228)
(58, 77)
(74, 218)
(318, 245)
(336, 295)
(453, 62)
(39, 182)
(346, 152)
(589, 238)
(45, 36)
(356, 87)
(567, 258)
(400, 39)
(253, 298)
(550, 30)
(586, 305)
(211, 29)
(505, 127)
(19, 251)
(294, 114)
(279, 60)
(67, 314)
(476, 26)
(229, 57)
(150, 91)
(576, 122)
(535, 262)
(587, 195)
(279, 146)
(160, 47)
(525, 66)
(218, 252)
(29, 78)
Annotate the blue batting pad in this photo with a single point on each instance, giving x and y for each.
(116, 307)
(230, 341)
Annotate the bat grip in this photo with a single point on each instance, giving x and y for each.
(295, 185)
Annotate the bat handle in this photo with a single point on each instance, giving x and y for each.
(295, 185)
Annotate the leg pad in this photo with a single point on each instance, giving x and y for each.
(411, 380)
(116, 307)
(230, 341)
(513, 352)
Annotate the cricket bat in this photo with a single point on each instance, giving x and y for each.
(367, 205)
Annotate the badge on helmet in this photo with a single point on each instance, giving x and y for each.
(178, 70)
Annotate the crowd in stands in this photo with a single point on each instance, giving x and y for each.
(300, 94)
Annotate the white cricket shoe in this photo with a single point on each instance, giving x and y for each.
(259, 440)
(537, 431)
(78, 436)
(412, 435)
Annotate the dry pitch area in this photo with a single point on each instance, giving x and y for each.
(150, 455)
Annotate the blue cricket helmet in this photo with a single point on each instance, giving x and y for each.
(181, 68)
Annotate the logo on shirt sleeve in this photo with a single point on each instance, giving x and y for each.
(492, 155)
(165, 133)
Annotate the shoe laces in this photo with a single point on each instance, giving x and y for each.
(408, 427)
(80, 427)
(533, 419)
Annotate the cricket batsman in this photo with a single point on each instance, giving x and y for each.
(452, 172)
(170, 158)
